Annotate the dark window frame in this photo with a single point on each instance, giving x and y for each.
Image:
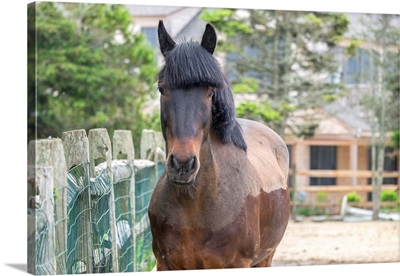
(323, 158)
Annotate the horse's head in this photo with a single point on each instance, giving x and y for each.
(193, 102)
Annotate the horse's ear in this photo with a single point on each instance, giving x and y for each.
(209, 40)
(165, 41)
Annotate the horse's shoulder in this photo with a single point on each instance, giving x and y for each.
(257, 131)
(265, 149)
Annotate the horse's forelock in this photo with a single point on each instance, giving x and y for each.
(190, 65)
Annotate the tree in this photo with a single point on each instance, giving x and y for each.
(283, 59)
(381, 37)
(92, 70)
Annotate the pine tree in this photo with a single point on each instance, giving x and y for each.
(92, 70)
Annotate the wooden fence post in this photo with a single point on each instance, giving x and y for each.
(49, 152)
(147, 143)
(150, 142)
(123, 144)
(76, 149)
(41, 223)
(100, 148)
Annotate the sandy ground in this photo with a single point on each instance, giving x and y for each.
(321, 243)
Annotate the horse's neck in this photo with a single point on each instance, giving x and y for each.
(214, 202)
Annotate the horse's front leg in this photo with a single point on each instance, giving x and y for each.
(162, 265)
(267, 262)
(161, 261)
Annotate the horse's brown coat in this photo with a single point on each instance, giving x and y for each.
(238, 211)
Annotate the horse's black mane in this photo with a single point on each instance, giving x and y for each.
(188, 64)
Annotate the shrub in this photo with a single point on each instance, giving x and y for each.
(322, 197)
(303, 211)
(389, 196)
(353, 197)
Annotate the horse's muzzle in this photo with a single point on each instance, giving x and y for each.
(182, 171)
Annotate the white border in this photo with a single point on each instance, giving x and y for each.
(13, 126)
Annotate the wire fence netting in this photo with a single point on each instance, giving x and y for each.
(90, 219)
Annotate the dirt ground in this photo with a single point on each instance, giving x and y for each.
(321, 243)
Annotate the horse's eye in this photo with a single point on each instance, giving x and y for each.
(211, 93)
(161, 90)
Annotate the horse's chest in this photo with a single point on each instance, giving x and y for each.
(191, 244)
(199, 247)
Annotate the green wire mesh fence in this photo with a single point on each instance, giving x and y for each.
(101, 225)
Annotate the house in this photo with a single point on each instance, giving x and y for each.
(336, 159)
(180, 22)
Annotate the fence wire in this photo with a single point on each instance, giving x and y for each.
(89, 239)
(45, 257)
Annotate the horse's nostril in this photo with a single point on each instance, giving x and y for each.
(192, 163)
(187, 166)
(174, 162)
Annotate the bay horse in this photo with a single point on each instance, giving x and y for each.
(223, 200)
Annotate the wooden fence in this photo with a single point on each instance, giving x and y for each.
(87, 207)
(337, 191)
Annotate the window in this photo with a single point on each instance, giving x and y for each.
(390, 165)
(356, 69)
(322, 158)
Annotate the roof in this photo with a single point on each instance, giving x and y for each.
(194, 29)
(176, 19)
(138, 10)
(351, 115)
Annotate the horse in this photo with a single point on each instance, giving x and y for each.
(223, 199)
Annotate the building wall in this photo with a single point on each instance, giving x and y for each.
(302, 156)
(343, 163)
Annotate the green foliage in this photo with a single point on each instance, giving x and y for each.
(340, 24)
(306, 130)
(247, 85)
(92, 70)
(329, 98)
(227, 20)
(395, 139)
(352, 48)
(258, 111)
(322, 197)
(312, 211)
(273, 47)
(304, 211)
(313, 19)
(389, 196)
(353, 197)
(56, 194)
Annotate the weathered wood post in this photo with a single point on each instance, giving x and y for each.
(41, 224)
(50, 153)
(147, 144)
(123, 144)
(100, 148)
(76, 150)
(150, 144)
